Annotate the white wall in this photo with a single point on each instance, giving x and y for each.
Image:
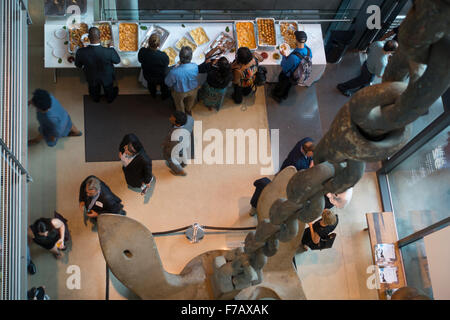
(438, 256)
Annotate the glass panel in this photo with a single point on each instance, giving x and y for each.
(420, 186)
(436, 109)
(416, 267)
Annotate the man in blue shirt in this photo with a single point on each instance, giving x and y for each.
(376, 62)
(183, 82)
(288, 64)
(301, 155)
(54, 121)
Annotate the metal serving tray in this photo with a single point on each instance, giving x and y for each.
(163, 34)
(221, 39)
(279, 28)
(188, 37)
(274, 31)
(98, 23)
(118, 36)
(193, 40)
(254, 33)
(68, 38)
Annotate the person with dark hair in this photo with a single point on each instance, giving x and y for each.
(393, 32)
(288, 65)
(259, 184)
(54, 121)
(51, 234)
(244, 70)
(179, 137)
(374, 66)
(183, 82)
(37, 294)
(219, 75)
(98, 65)
(96, 198)
(301, 155)
(136, 165)
(155, 66)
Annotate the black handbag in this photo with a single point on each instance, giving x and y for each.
(260, 76)
(327, 243)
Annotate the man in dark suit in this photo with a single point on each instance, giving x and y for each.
(96, 197)
(301, 155)
(98, 65)
(136, 164)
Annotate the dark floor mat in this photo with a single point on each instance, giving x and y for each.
(296, 117)
(106, 124)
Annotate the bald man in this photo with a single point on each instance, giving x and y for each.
(98, 65)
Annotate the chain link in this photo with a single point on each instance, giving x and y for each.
(371, 126)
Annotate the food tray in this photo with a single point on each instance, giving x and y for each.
(74, 36)
(172, 60)
(223, 39)
(55, 10)
(103, 40)
(204, 34)
(190, 43)
(261, 41)
(291, 43)
(163, 34)
(129, 41)
(238, 43)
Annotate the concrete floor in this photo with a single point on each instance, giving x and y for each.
(214, 195)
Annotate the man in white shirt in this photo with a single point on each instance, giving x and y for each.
(374, 66)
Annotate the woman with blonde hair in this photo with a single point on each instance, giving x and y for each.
(317, 236)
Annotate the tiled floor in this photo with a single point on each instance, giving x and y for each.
(215, 195)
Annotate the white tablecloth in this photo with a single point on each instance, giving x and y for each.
(213, 29)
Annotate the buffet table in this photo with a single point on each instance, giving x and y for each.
(56, 46)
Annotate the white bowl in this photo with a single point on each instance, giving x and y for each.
(60, 34)
(59, 52)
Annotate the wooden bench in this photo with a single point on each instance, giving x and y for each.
(382, 229)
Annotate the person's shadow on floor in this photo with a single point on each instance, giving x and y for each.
(149, 192)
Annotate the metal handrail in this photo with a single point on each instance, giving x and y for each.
(13, 114)
(16, 162)
(24, 8)
(424, 232)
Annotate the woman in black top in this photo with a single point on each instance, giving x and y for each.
(218, 78)
(50, 234)
(136, 165)
(317, 233)
(155, 66)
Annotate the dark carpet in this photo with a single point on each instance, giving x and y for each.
(106, 124)
(296, 117)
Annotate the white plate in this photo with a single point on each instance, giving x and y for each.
(60, 34)
(59, 52)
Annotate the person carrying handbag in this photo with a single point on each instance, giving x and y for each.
(245, 68)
